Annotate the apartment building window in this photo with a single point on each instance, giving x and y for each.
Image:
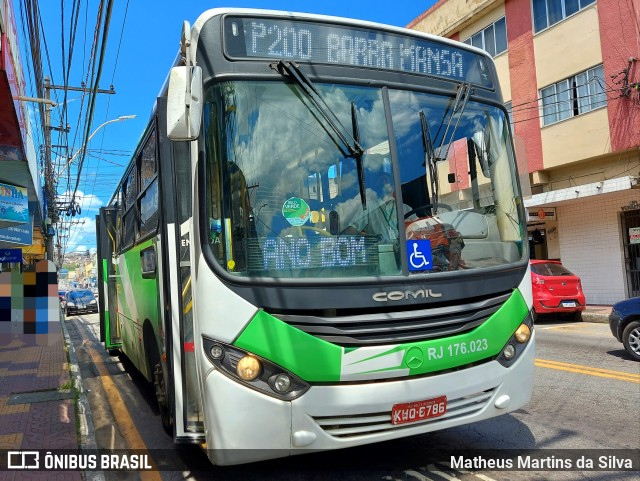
(576, 95)
(550, 12)
(493, 38)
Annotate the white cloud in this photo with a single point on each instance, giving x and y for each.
(82, 233)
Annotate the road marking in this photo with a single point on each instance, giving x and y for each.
(574, 327)
(477, 475)
(557, 326)
(119, 408)
(432, 469)
(417, 475)
(591, 371)
(435, 469)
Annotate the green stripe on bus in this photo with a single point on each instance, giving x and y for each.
(302, 354)
(315, 360)
(107, 321)
(143, 298)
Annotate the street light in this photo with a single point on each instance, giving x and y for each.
(84, 146)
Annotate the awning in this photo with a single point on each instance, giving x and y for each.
(581, 191)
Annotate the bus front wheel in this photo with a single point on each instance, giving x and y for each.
(157, 378)
(161, 396)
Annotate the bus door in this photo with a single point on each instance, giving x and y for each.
(175, 186)
(106, 236)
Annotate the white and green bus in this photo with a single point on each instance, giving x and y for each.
(320, 241)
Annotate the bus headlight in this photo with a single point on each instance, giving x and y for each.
(216, 351)
(254, 371)
(248, 368)
(523, 333)
(517, 343)
(282, 382)
(508, 352)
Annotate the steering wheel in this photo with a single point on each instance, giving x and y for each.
(446, 207)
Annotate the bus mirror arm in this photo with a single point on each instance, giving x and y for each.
(184, 103)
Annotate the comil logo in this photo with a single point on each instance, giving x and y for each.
(402, 295)
(23, 460)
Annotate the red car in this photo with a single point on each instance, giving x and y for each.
(556, 290)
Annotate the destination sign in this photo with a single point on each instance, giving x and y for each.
(281, 39)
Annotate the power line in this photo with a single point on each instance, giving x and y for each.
(105, 34)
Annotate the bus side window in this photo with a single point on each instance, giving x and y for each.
(148, 198)
(118, 220)
(130, 191)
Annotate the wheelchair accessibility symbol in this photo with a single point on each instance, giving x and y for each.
(419, 252)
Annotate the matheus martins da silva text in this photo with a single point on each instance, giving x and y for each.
(548, 462)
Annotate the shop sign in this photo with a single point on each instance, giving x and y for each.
(10, 255)
(21, 234)
(634, 235)
(547, 213)
(14, 204)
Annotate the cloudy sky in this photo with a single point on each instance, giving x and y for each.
(142, 43)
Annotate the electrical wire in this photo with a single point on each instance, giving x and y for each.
(106, 116)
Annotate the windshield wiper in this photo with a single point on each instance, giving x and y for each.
(459, 104)
(429, 160)
(348, 144)
(356, 136)
(353, 148)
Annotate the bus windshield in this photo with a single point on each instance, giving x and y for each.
(433, 190)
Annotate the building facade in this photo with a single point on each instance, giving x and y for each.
(22, 223)
(569, 72)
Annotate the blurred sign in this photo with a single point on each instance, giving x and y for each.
(18, 234)
(14, 205)
(634, 235)
(10, 255)
(547, 213)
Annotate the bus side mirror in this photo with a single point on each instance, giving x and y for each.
(184, 103)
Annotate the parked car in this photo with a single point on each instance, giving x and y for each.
(61, 296)
(624, 321)
(80, 300)
(556, 290)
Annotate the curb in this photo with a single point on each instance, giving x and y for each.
(595, 317)
(87, 439)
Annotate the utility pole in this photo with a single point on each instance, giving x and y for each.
(49, 188)
(50, 181)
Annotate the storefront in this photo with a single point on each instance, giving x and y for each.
(594, 230)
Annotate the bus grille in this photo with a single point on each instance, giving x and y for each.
(373, 423)
(399, 326)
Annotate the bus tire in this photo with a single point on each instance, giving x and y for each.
(157, 380)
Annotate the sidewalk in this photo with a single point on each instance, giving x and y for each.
(598, 314)
(37, 405)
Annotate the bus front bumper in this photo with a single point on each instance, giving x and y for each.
(243, 425)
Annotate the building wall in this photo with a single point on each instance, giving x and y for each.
(576, 139)
(577, 153)
(522, 67)
(591, 244)
(556, 47)
(448, 16)
(619, 23)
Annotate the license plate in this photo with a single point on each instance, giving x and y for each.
(568, 304)
(418, 410)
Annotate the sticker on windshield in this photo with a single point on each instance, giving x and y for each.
(419, 255)
(296, 211)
